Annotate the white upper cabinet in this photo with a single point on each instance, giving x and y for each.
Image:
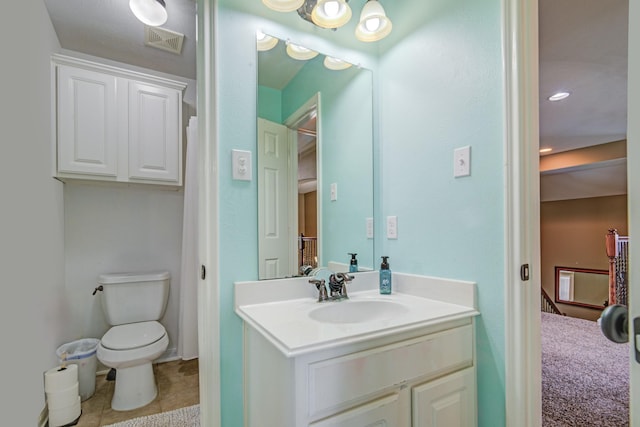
(87, 122)
(116, 125)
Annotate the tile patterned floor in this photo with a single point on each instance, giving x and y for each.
(177, 388)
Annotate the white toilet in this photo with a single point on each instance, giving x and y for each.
(132, 304)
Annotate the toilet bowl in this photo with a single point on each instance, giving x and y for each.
(133, 304)
(130, 349)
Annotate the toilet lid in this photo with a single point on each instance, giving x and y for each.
(133, 335)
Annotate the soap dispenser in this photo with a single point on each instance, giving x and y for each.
(353, 265)
(385, 276)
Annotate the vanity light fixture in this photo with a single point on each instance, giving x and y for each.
(150, 12)
(331, 13)
(283, 5)
(374, 24)
(558, 96)
(335, 64)
(265, 42)
(300, 52)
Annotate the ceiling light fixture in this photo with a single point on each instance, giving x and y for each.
(558, 96)
(374, 24)
(283, 5)
(265, 42)
(300, 52)
(150, 12)
(331, 13)
(545, 150)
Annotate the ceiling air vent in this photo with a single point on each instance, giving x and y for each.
(163, 39)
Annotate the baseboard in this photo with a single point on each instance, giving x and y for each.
(43, 420)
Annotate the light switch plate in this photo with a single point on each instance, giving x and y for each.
(462, 161)
(392, 227)
(334, 192)
(241, 165)
(369, 222)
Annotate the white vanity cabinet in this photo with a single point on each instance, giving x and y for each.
(421, 378)
(116, 125)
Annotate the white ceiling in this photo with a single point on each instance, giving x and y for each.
(583, 50)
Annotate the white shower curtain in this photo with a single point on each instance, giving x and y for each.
(188, 326)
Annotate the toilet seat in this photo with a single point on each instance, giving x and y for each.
(133, 335)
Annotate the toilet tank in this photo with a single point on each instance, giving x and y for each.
(134, 297)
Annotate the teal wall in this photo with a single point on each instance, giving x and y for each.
(270, 105)
(440, 89)
(438, 81)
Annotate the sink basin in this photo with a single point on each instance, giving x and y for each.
(357, 311)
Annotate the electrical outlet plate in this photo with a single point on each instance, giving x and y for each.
(241, 165)
(462, 161)
(392, 227)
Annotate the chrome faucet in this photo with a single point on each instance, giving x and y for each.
(335, 282)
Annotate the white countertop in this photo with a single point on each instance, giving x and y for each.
(288, 326)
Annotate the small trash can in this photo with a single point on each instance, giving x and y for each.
(82, 353)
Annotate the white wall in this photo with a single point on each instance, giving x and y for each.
(119, 229)
(33, 308)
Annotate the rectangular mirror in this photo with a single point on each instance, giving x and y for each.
(583, 287)
(314, 161)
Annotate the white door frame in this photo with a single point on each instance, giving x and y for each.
(208, 288)
(522, 214)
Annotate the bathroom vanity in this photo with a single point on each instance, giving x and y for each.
(405, 359)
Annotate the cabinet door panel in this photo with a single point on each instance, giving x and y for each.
(446, 402)
(87, 122)
(379, 413)
(154, 149)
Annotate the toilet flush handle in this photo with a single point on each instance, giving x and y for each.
(99, 288)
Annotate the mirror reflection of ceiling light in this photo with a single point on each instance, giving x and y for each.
(331, 13)
(150, 12)
(265, 42)
(283, 5)
(374, 24)
(335, 63)
(300, 52)
(558, 96)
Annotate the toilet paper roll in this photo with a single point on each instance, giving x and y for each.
(60, 378)
(63, 416)
(63, 398)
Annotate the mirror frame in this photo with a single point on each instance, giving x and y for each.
(558, 270)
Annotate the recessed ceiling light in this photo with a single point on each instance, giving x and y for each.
(545, 150)
(558, 96)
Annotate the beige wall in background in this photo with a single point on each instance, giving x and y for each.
(572, 234)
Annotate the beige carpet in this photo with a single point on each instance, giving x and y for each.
(183, 417)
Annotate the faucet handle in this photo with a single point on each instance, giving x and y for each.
(344, 277)
(322, 290)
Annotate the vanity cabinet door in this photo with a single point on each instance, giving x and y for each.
(154, 132)
(378, 413)
(87, 131)
(446, 402)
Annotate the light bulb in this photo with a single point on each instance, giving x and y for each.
(372, 24)
(331, 8)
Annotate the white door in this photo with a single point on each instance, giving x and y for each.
(445, 402)
(87, 122)
(379, 413)
(155, 151)
(274, 201)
